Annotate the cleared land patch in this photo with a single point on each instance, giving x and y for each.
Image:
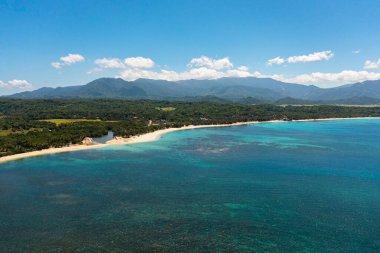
(69, 121)
(166, 109)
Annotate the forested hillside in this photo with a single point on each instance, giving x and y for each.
(233, 89)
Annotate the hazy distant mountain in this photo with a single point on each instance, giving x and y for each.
(100, 88)
(367, 89)
(236, 89)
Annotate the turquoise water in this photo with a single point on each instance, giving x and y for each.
(272, 187)
(105, 138)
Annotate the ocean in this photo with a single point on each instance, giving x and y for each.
(268, 187)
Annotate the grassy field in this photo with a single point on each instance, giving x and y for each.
(5, 132)
(166, 109)
(69, 121)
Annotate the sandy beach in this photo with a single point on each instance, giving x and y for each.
(153, 136)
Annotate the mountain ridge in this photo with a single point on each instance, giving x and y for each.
(233, 89)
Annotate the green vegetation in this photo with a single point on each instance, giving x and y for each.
(69, 121)
(12, 131)
(166, 109)
(27, 125)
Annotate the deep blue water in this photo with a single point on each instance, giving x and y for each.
(272, 187)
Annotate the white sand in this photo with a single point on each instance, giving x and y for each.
(144, 138)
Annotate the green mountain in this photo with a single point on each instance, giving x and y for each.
(257, 90)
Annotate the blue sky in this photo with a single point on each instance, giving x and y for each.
(59, 43)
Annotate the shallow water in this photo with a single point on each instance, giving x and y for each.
(272, 187)
(105, 138)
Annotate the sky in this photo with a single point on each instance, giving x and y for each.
(71, 42)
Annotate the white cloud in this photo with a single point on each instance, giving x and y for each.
(331, 79)
(372, 64)
(109, 63)
(94, 71)
(208, 68)
(356, 51)
(243, 68)
(72, 58)
(16, 84)
(67, 60)
(194, 73)
(278, 60)
(139, 62)
(317, 78)
(317, 56)
(56, 65)
(210, 63)
(241, 71)
(131, 62)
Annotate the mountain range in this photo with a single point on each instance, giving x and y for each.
(248, 90)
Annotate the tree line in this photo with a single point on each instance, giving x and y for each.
(21, 129)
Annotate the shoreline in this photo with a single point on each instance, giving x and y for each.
(147, 137)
